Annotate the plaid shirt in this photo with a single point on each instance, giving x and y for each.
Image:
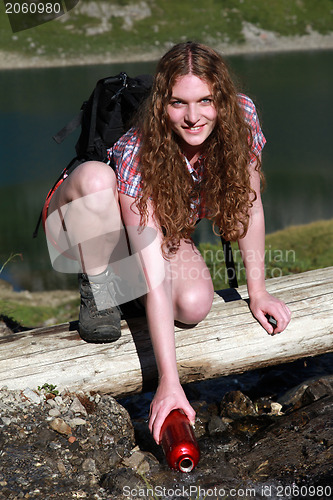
(125, 157)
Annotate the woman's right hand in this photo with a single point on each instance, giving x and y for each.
(169, 396)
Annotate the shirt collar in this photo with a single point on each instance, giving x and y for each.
(196, 172)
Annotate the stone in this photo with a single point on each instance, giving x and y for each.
(51, 403)
(31, 396)
(54, 412)
(204, 413)
(276, 409)
(89, 465)
(122, 480)
(60, 426)
(61, 467)
(135, 459)
(235, 405)
(74, 422)
(77, 407)
(217, 426)
(306, 393)
(59, 400)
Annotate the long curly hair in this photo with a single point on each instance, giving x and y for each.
(166, 180)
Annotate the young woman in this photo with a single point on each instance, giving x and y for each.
(194, 153)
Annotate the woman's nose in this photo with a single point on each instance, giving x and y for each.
(192, 115)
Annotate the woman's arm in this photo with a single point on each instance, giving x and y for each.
(252, 248)
(160, 317)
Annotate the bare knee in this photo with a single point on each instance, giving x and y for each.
(95, 184)
(94, 177)
(194, 304)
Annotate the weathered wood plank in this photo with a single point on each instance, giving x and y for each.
(228, 341)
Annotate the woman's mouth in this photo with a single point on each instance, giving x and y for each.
(194, 129)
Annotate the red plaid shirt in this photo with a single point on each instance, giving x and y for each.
(125, 157)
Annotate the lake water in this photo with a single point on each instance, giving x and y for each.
(293, 94)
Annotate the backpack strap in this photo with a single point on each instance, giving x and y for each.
(94, 107)
(69, 128)
(67, 170)
(229, 262)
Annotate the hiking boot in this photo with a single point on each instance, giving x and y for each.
(99, 318)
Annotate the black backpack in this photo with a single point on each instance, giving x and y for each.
(104, 118)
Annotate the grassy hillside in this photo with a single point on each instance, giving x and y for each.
(131, 26)
(292, 250)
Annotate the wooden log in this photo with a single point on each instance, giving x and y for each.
(228, 341)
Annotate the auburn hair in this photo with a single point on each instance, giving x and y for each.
(165, 179)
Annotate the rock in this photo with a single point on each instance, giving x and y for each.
(307, 393)
(122, 482)
(117, 421)
(51, 403)
(107, 440)
(276, 409)
(204, 414)
(89, 465)
(140, 461)
(59, 400)
(217, 426)
(77, 407)
(74, 422)
(43, 437)
(31, 396)
(317, 390)
(235, 405)
(102, 459)
(54, 412)
(59, 425)
(61, 467)
(4, 329)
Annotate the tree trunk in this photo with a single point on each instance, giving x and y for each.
(228, 341)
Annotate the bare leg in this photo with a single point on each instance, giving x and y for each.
(84, 224)
(192, 287)
(87, 204)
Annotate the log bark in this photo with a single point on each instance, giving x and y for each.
(228, 341)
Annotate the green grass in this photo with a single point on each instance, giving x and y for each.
(292, 250)
(169, 21)
(16, 314)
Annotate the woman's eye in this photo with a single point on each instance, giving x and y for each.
(176, 103)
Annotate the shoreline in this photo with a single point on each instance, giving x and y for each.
(257, 42)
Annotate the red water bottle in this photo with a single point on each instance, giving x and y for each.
(179, 443)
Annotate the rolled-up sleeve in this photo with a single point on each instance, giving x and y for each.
(251, 117)
(124, 156)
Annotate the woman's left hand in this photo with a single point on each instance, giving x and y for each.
(262, 304)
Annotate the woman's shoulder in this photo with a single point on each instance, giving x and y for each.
(246, 103)
(249, 109)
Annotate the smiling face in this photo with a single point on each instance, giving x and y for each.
(192, 113)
